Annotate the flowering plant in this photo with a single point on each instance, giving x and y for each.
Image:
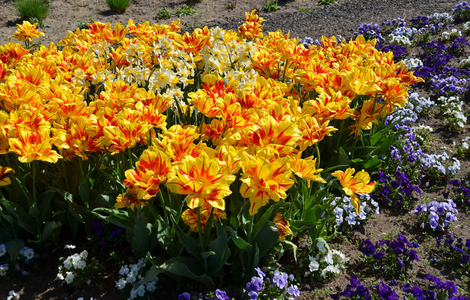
(346, 216)
(454, 252)
(461, 12)
(324, 263)
(74, 269)
(279, 285)
(354, 290)
(20, 256)
(392, 257)
(436, 215)
(461, 192)
(201, 146)
(132, 278)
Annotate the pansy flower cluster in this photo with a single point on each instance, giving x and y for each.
(279, 284)
(131, 277)
(466, 28)
(440, 290)
(217, 295)
(453, 112)
(443, 290)
(354, 290)
(17, 264)
(456, 253)
(370, 32)
(323, 263)
(103, 235)
(397, 190)
(74, 267)
(410, 154)
(436, 215)
(347, 217)
(390, 256)
(461, 192)
(461, 12)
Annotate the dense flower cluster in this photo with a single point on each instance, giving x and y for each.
(397, 190)
(278, 285)
(392, 256)
(132, 275)
(436, 215)
(458, 252)
(443, 289)
(345, 212)
(370, 32)
(452, 111)
(354, 290)
(72, 266)
(116, 87)
(461, 192)
(323, 262)
(26, 254)
(461, 12)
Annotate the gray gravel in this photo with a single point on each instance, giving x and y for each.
(344, 16)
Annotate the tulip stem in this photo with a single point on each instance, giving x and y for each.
(34, 170)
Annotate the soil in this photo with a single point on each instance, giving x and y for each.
(340, 18)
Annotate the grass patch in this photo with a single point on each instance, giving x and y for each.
(185, 10)
(163, 14)
(271, 6)
(118, 5)
(32, 9)
(325, 2)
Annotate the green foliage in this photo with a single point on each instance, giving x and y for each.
(32, 9)
(84, 25)
(325, 2)
(232, 5)
(306, 10)
(163, 14)
(185, 10)
(118, 5)
(271, 6)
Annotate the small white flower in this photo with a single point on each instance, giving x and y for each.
(60, 276)
(13, 295)
(329, 258)
(84, 254)
(69, 277)
(80, 265)
(330, 269)
(151, 286)
(70, 247)
(322, 246)
(141, 290)
(314, 265)
(68, 263)
(121, 284)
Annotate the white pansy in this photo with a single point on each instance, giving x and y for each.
(69, 276)
(314, 265)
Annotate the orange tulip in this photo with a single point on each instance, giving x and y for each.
(360, 183)
(263, 179)
(283, 226)
(5, 181)
(202, 180)
(27, 32)
(33, 146)
(190, 218)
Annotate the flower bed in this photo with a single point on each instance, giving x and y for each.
(215, 151)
